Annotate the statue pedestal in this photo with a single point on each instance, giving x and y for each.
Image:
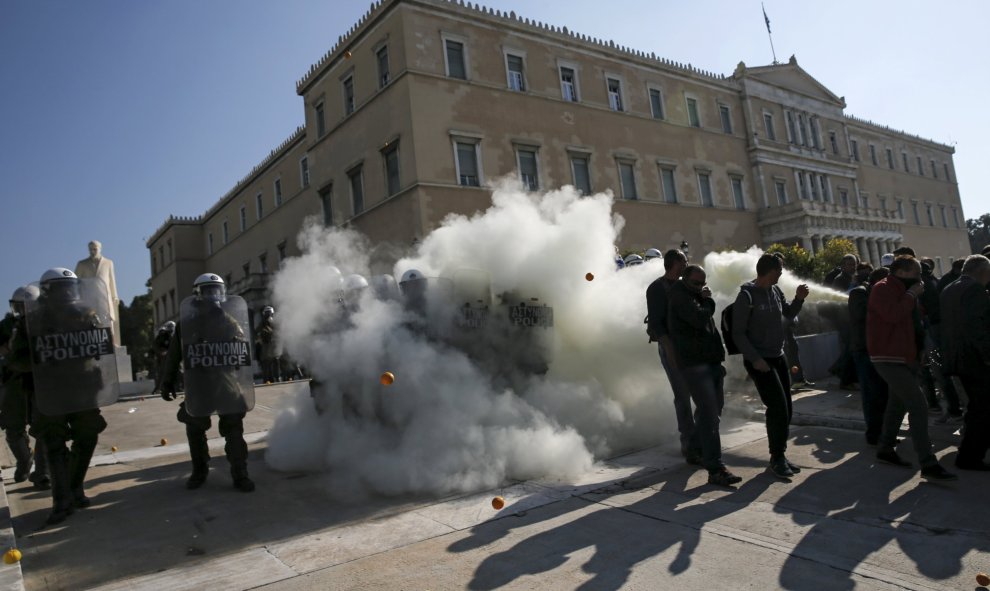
(124, 373)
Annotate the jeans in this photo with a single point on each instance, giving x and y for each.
(874, 392)
(905, 396)
(774, 387)
(705, 383)
(976, 430)
(682, 402)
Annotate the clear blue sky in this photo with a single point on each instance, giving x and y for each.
(117, 113)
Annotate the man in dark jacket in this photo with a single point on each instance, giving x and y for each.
(951, 276)
(758, 331)
(698, 345)
(892, 334)
(932, 376)
(674, 262)
(872, 386)
(966, 353)
(846, 280)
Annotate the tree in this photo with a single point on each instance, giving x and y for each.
(831, 255)
(979, 232)
(802, 263)
(137, 332)
(796, 260)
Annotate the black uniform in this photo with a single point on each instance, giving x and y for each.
(231, 425)
(68, 467)
(270, 368)
(15, 411)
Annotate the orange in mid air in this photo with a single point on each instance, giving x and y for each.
(590, 276)
(387, 378)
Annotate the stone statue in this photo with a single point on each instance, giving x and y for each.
(98, 265)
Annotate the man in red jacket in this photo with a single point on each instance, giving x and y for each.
(894, 339)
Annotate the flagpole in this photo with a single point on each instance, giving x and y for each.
(769, 34)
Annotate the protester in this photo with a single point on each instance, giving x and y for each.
(758, 332)
(845, 280)
(951, 276)
(699, 350)
(872, 387)
(965, 308)
(894, 339)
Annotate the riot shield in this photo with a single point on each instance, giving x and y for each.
(216, 356)
(530, 328)
(72, 353)
(473, 298)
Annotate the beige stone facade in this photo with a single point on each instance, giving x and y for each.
(423, 102)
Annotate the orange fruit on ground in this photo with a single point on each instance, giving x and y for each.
(498, 503)
(982, 579)
(114, 449)
(387, 378)
(164, 441)
(11, 556)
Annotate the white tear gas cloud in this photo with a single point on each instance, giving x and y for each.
(448, 424)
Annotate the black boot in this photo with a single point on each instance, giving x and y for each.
(241, 480)
(58, 467)
(199, 451)
(82, 453)
(236, 449)
(40, 475)
(21, 448)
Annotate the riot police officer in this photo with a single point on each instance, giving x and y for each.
(162, 341)
(215, 352)
(71, 338)
(271, 371)
(15, 410)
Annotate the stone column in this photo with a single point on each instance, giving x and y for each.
(874, 251)
(864, 253)
(816, 243)
(806, 244)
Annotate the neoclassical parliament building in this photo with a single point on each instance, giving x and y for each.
(422, 103)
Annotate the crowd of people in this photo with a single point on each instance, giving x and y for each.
(914, 341)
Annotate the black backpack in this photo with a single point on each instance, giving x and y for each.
(730, 343)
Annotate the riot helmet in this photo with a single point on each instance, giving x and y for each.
(169, 327)
(210, 287)
(652, 253)
(633, 259)
(268, 312)
(60, 284)
(385, 287)
(410, 275)
(21, 296)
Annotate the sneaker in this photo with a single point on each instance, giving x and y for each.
(794, 468)
(693, 458)
(937, 472)
(891, 457)
(723, 478)
(779, 467)
(980, 466)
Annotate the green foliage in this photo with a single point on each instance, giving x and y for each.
(831, 255)
(137, 332)
(802, 263)
(979, 232)
(796, 260)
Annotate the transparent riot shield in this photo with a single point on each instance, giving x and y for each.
(216, 356)
(70, 331)
(530, 327)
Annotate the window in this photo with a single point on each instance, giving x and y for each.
(955, 217)
(813, 185)
(945, 219)
(826, 193)
(705, 183)
(914, 209)
(528, 169)
(803, 128)
(656, 103)
(723, 113)
(905, 157)
(246, 267)
(945, 166)
(168, 249)
(209, 243)
(737, 193)
(890, 159)
(864, 201)
(900, 209)
(154, 264)
(226, 232)
(921, 169)
(278, 192)
(263, 262)
(326, 199)
(627, 180)
(259, 205)
(791, 129)
(816, 135)
(854, 148)
(692, 107)
(161, 255)
(514, 67)
(568, 84)
(835, 144)
(781, 192)
(243, 216)
(281, 252)
(768, 125)
(304, 171)
(383, 75)
(802, 186)
(669, 186)
(614, 94)
(844, 197)
(321, 120)
(931, 215)
(454, 54)
(582, 174)
(468, 171)
(883, 205)
(390, 156)
(873, 155)
(348, 95)
(934, 170)
(357, 189)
